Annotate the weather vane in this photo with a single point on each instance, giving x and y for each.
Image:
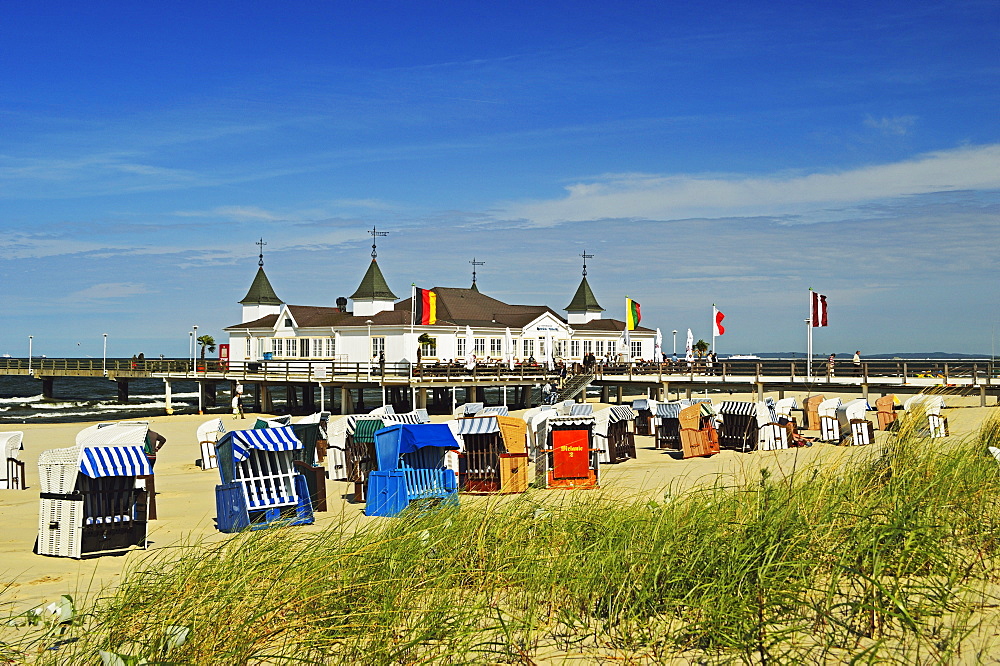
(474, 264)
(260, 257)
(375, 235)
(585, 257)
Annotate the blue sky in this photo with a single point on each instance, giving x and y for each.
(705, 153)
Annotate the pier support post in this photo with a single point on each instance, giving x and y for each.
(422, 398)
(167, 397)
(345, 401)
(781, 394)
(265, 398)
(47, 386)
(687, 393)
(211, 397)
(621, 393)
(122, 392)
(864, 391)
(605, 394)
(665, 391)
(982, 396)
(760, 391)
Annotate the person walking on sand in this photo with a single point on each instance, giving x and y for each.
(857, 363)
(829, 365)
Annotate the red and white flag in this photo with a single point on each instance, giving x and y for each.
(717, 318)
(818, 314)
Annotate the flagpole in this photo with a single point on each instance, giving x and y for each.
(715, 326)
(809, 337)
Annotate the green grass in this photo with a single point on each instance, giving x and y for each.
(891, 558)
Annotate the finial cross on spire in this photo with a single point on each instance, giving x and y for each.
(585, 257)
(260, 257)
(474, 264)
(375, 235)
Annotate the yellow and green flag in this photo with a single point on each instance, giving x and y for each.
(632, 316)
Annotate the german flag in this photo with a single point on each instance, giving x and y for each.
(424, 307)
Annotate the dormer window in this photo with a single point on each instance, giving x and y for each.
(288, 322)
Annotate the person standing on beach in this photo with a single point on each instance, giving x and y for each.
(857, 363)
(829, 365)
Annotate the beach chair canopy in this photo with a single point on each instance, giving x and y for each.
(470, 408)
(477, 425)
(11, 443)
(100, 461)
(766, 413)
(496, 410)
(853, 409)
(276, 422)
(785, 406)
(932, 404)
(735, 407)
(261, 439)
(402, 438)
(125, 433)
(582, 409)
(209, 431)
(354, 419)
(829, 407)
(641, 403)
(668, 410)
(620, 413)
(580, 420)
(315, 417)
(384, 410)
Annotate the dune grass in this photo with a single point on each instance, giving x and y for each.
(890, 558)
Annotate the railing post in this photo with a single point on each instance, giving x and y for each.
(945, 373)
(905, 372)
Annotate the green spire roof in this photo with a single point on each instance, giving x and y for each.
(373, 286)
(584, 300)
(261, 292)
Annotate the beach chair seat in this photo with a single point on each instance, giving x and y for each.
(812, 411)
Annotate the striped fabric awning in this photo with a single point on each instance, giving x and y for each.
(668, 410)
(581, 410)
(263, 439)
(101, 461)
(478, 425)
(471, 408)
(621, 413)
(364, 430)
(496, 410)
(579, 420)
(354, 419)
(740, 408)
(409, 417)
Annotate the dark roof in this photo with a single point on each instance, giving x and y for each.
(373, 286)
(608, 325)
(471, 307)
(311, 316)
(584, 300)
(261, 292)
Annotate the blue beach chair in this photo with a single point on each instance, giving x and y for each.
(410, 467)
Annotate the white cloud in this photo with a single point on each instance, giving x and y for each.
(661, 197)
(894, 126)
(108, 290)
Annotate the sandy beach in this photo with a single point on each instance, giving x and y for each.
(186, 495)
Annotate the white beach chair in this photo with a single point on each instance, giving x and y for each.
(932, 404)
(336, 449)
(11, 445)
(851, 417)
(829, 426)
(208, 434)
(783, 408)
(770, 435)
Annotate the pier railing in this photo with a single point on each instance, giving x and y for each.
(963, 371)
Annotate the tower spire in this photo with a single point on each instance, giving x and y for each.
(260, 257)
(375, 235)
(474, 264)
(585, 257)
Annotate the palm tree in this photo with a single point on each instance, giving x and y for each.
(206, 342)
(701, 347)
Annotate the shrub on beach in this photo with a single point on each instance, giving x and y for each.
(890, 557)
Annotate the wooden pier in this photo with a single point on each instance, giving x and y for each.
(517, 386)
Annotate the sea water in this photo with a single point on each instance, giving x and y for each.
(94, 399)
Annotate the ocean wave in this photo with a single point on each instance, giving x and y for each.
(31, 398)
(173, 396)
(59, 405)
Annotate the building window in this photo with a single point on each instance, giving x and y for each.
(529, 347)
(574, 348)
(599, 348)
(378, 347)
(249, 348)
(288, 322)
(429, 349)
(331, 347)
(560, 347)
(305, 346)
(460, 347)
(279, 347)
(588, 347)
(496, 347)
(479, 346)
(636, 349)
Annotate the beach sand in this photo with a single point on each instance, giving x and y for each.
(186, 495)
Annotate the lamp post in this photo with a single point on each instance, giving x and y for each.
(369, 324)
(675, 343)
(191, 348)
(30, 338)
(194, 350)
(104, 358)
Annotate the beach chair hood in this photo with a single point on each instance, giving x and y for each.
(402, 438)
(100, 461)
(263, 439)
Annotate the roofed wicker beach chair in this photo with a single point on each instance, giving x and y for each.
(93, 495)
(829, 425)
(738, 430)
(887, 406)
(612, 424)
(853, 422)
(812, 411)
(494, 456)
(931, 404)
(11, 445)
(411, 468)
(644, 411)
(361, 459)
(667, 425)
(569, 459)
(699, 437)
(260, 486)
(208, 435)
(771, 435)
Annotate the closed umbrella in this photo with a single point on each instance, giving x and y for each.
(508, 341)
(658, 348)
